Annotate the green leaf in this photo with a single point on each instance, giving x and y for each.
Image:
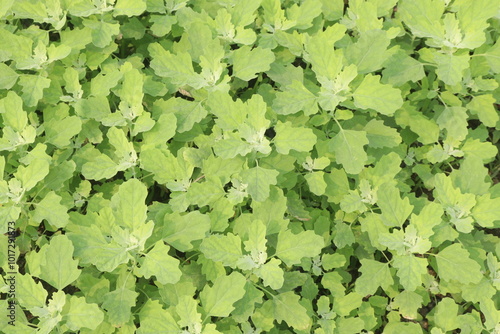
(395, 210)
(271, 274)
(180, 230)
(348, 148)
(454, 120)
(59, 268)
(401, 68)
(230, 114)
(51, 209)
(379, 135)
(30, 294)
(101, 167)
(294, 98)
(369, 52)
(102, 32)
(259, 180)
(222, 248)
(454, 264)
(287, 308)
(410, 270)
(451, 67)
(60, 132)
(33, 87)
(157, 262)
(186, 309)
(446, 314)
(248, 62)
(81, 314)
(483, 106)
(343, 305)
(118, 304)
(374, 274)
(371, 94)
(403, 327)
(8, 77)
(129, 7)
(486, 212)
(292, 247)
(154, 319)
(320, 52)
(218, 300)
(408, 303)
(316, 182)
(423, 17)
(92, 247)
(161, 132)
(11, 108)
(178, 68)
(427, 130)
(128, 204)
(292, 138)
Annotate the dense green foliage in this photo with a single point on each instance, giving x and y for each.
(250, 166)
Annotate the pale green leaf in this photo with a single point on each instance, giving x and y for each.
(222, 248)
(186, 308)
(129, 7)
(259, 180)
(316, 182)
(320, 52)
(157, 262)
(33, 87)
(426, 129)
(128, 204)
(102, 32)
(8, 77)
(60, 132)
(401, 68)
(271, 274)
(118, 304)
(230, 114)
(446, 314)
(408, 303)
(154, 319)
(374, 274)
(81, 314)
(248, 62)
(371, 94)
(454, 264)
(369, 52)
(178, 68)
(59, 268)
(29, 293)
(11, 108)
(92, 247)
(292, 138)
(423, 17)
(51, 209)
(379, 135)
(486, 212)
(180, 230)
(343, 305)
(101, 167)
(287, 308)
(483, 106)
(410, 270)
(451, 67)
(395, 210)
(218, 299)
(348, 148)
(292, 247)
(294, 98)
